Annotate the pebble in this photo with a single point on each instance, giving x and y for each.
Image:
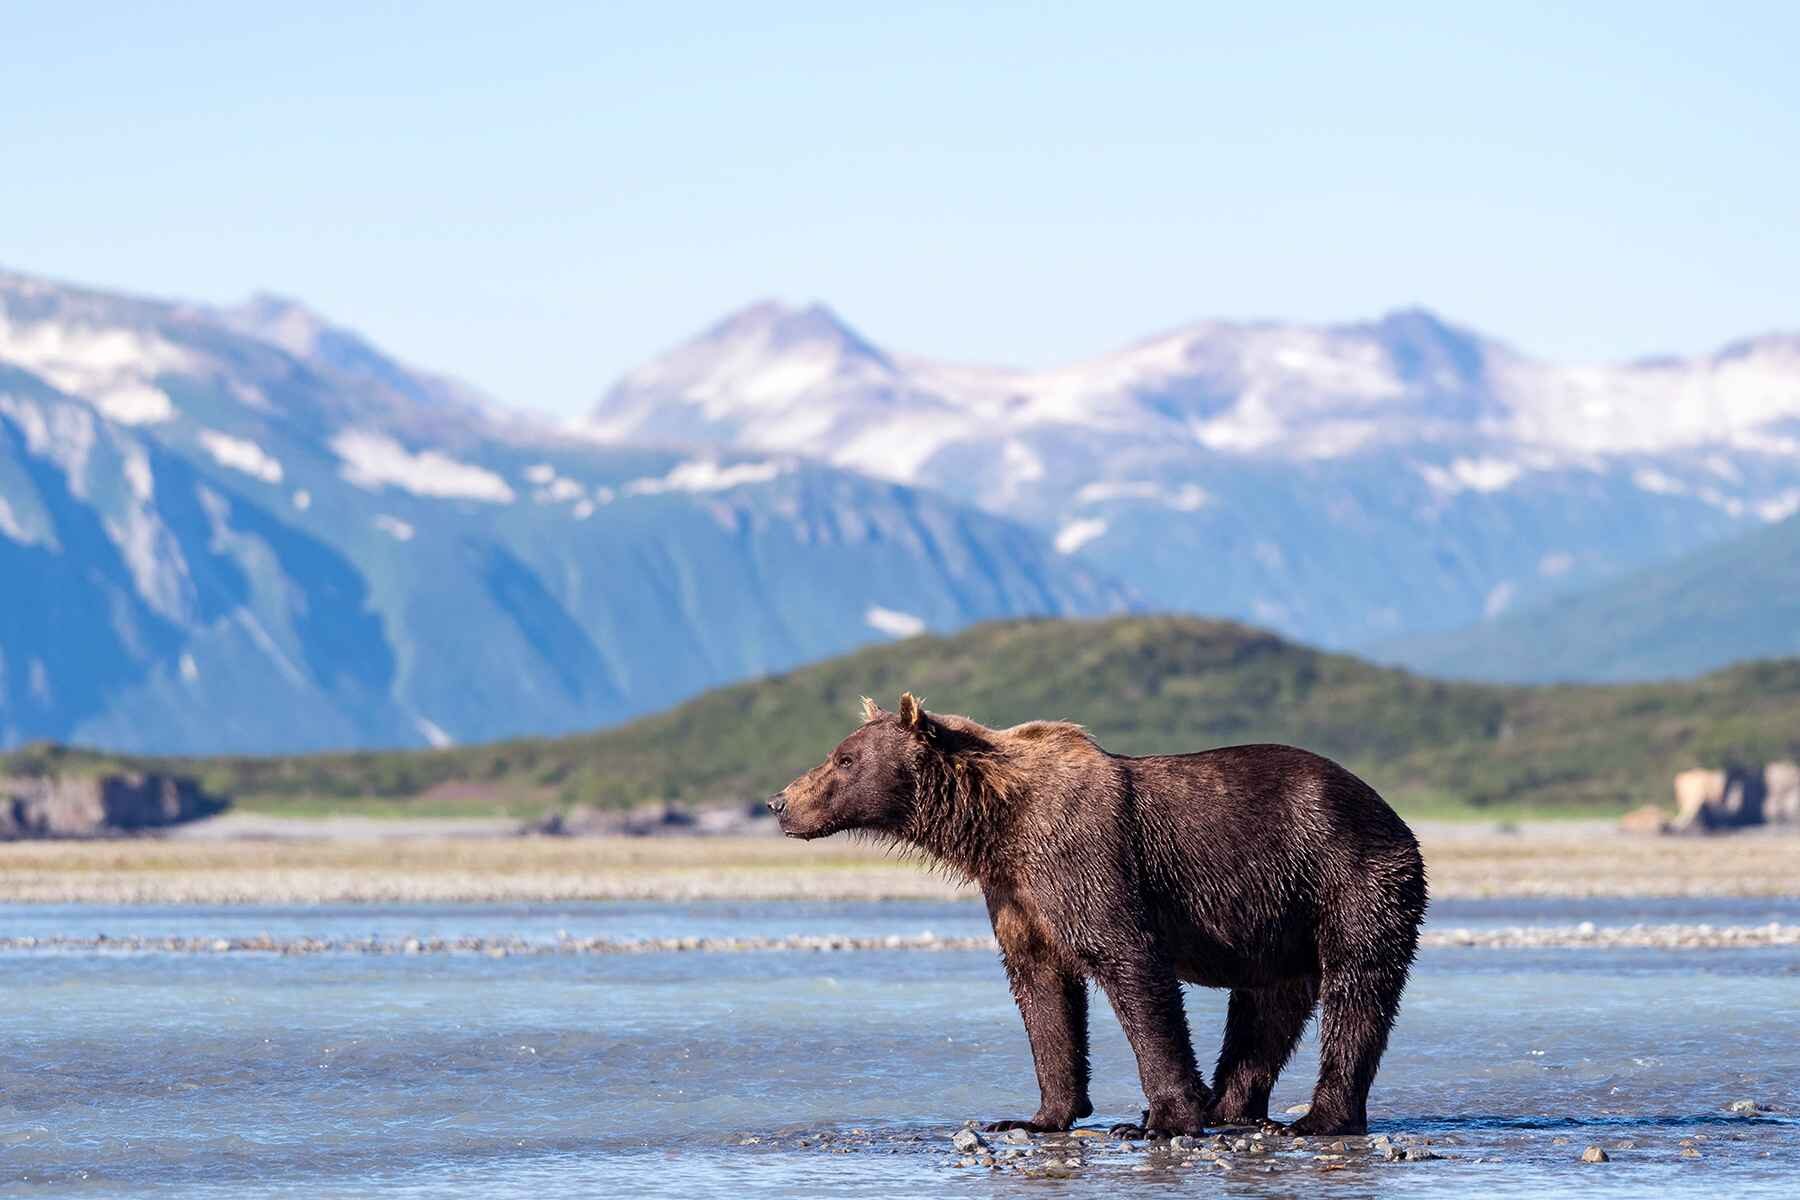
(1747, 1108)
(1297, 1110)
(967, 1140)
(1689, 1152)
(1017, 1137)
(1594, 1154)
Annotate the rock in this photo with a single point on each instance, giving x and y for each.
(967, 1141)
(1594, 1154)
(1297, 1110)
(1421, 1154)
(1559, 1140)
(1781, 793)
(1018, 1137)
(1746, 1108)
(1689, 1152)
(1392, 1153)
(1713, 800)
(80, 806)
(1649, 819)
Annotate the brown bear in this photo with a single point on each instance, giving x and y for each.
(1264, 869)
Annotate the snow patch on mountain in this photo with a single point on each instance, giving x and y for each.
(1781, 507)
(1190, 497)
(153, 556)
(374, 460)
(138, 475)
(706, 475)
(11, 526)
(241, 454)
(60, 432)
(1472, 475)
(552, 488)
(893, 622)
(1649, 479)
(1076, 534)
(111, 368)
(394, 527)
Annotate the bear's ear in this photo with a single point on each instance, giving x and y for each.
(871, 711)
(913, 716)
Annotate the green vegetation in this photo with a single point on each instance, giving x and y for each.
(1141, 684)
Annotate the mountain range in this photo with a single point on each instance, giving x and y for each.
(248, 529)
(1344, 485)
(245, 529)
(1726, 603)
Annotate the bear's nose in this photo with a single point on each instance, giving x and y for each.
(778, 802)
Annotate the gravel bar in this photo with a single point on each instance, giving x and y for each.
(1575, 937)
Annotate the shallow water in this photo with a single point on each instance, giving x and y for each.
(256, 1075)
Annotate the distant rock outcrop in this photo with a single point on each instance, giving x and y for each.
(1781, 793)
(80, 806)
(1736, 798)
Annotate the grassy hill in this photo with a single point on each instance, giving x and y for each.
(1141, 684)
(1728, 603)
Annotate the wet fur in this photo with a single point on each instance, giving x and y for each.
(1263, 869)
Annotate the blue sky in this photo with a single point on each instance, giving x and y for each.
(536, 198)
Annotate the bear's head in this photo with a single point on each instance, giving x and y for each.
(870, 781)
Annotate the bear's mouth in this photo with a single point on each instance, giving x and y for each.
(805, 835)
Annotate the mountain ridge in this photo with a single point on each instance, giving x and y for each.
(1421, 475)
(249, 549)
(1730, 602)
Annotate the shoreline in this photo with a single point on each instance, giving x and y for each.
(1672, 937)
(379, 864)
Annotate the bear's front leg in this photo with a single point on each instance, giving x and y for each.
(1053, 1003)
(1147, 996)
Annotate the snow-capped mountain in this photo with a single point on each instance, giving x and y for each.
(250, 530)
(1341, 483)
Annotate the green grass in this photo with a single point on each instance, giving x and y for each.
(1141, 684)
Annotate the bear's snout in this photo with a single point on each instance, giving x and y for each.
(778, 803)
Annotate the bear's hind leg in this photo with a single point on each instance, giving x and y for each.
(1358, 1006)
(1262, 1027)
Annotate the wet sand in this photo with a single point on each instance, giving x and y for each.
(395, 861)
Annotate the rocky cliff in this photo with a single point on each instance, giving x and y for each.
(99, 805)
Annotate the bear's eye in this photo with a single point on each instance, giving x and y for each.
(844, 760)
